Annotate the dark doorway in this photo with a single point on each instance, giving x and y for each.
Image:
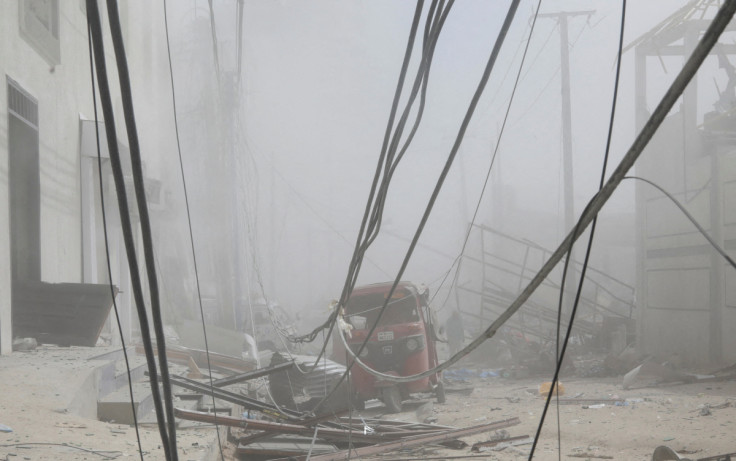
(24, 185)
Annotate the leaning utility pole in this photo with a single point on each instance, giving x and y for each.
(569, 195)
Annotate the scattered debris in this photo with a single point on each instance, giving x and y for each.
(222, 362)
(302, 391)
(284, 446)
(238, 399)
(24, 344)
(589, 402)
(589, 455)
(706, 408)
(594, 406)
(461, 390)
(248, 375)
(545, 387)
(67, 425)
(424, 412)
(724, 457)
(496, 445)
(668, 373)
(665, 372)
(502, 434)
(410, 442)
(194, 371)
(665, 453)
(462, 374)
(298, 440)
(67, 314)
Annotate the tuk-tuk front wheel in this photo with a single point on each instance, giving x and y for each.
(440, 390)
(391, 397)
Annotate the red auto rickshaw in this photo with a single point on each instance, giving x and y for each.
(403, 344)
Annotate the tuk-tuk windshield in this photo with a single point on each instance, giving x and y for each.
(362, 310)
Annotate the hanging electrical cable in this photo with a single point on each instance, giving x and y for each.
(488, 173)
(189, 226)
(435, 20)
(312, 209)
(136, 162)
(240, 7)
(422, 80)
(434, 23)
(113, 294)
(95, 26)
(559, 355)
(490, 166)
(432, 28)
(369, 223)
(682, 208)
(453, 152)
(329, 323)
(215, 53)
(701, 51)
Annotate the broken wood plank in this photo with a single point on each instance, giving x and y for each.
(226, 363)
(492, 443)
(284, 446)
(574, 401)
(724, 457)
(245, 402)
(589, 456)
(380, 426)
(281, 428)
(239, 378)
(410, 442)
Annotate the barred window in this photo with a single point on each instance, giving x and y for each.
(39, 26)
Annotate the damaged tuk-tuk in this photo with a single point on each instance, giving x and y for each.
(403, 343)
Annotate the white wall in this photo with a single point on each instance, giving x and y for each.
(64, 94)
(8, 26)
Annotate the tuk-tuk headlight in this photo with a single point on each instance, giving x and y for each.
(414, 343)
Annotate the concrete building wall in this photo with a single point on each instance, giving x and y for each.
(727, 167)
(60, 81)
(686, 291)
(62, 88)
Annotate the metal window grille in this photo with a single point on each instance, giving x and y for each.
(21, 104)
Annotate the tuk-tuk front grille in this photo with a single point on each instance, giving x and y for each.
(387, 355)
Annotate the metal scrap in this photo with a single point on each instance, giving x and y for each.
(283, 445)
(245, 402)
(410, 442)
(724, 457)
(204, 359)
(385, 436)
(327, 433)
(248, 375)
(511, 441)
(573, 401)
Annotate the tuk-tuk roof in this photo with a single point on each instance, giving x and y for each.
(384, 287)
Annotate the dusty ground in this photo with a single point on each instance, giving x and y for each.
(652, 417)
(43, 402)
(48, 399)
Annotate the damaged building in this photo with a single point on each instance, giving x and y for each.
(685, 288)
(52, 237)
(441, 332)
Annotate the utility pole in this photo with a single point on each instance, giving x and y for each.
(569, 193)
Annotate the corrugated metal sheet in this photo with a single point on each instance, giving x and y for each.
(68, 314)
